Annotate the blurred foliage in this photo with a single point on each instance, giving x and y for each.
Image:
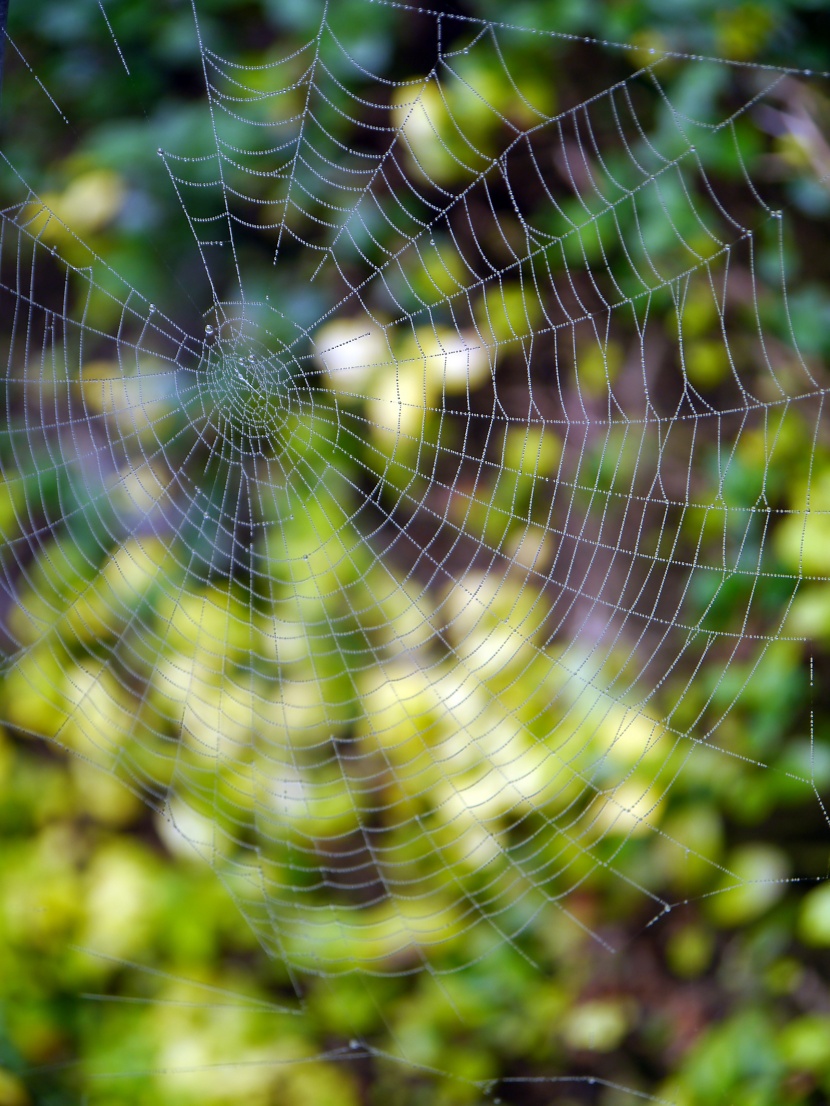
(120, 950)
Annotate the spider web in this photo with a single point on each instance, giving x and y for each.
(390, 603)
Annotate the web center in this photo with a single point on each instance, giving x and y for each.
(250, 389)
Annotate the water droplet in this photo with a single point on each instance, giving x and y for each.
(151, 308)
(208, 331)
(160, 152)
(652, 50)
(353, 1044)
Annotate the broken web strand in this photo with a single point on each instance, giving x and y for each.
(575, 580)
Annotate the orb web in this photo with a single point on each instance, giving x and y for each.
(388, 596)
